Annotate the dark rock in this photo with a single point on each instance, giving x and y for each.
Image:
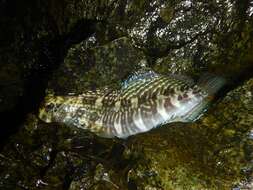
(74, 46)
(109, 64)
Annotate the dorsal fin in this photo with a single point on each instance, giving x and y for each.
(100, 97)
(143, 74)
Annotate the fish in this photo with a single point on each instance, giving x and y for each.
(145, 101)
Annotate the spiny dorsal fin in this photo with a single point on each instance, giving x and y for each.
(97, 93)
(99, 98)
(143, 74)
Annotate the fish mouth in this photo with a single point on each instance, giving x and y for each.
(45, 116)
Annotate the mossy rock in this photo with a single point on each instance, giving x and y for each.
(108, 65)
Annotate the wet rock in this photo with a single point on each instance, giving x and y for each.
(99, 180)
(51, 156)
(214, 153)
(108, 64)
(170, 65)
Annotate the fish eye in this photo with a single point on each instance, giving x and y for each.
(49, 106)
(203, 93)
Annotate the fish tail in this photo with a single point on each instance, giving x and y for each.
(211, 83)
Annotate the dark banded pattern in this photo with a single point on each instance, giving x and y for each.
(138, 107)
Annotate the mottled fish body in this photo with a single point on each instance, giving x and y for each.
(145, 101)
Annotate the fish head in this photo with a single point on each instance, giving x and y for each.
(46, 113)
(48, 109)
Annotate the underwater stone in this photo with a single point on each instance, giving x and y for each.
(108, 64)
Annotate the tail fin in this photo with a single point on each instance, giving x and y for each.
(211, 83)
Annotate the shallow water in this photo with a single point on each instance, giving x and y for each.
(55, 49)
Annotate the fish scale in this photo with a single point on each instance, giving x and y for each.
(145, 101)
(152, 90)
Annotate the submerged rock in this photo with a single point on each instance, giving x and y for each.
(213, 153)
(87, 67)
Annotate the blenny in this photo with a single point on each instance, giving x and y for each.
(145, 101)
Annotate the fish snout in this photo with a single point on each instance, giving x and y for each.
(46, 112)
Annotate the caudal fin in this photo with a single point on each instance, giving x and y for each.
(211, 83)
